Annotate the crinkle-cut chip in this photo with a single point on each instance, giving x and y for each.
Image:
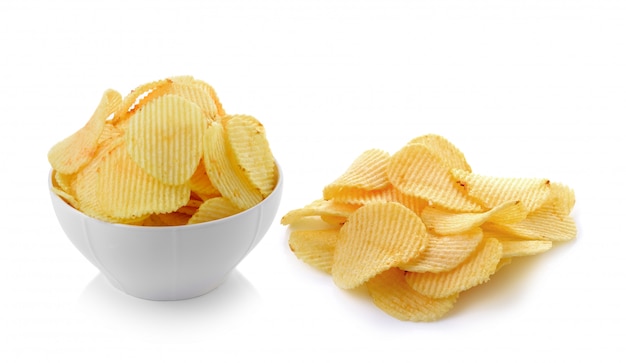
(173, 218)
(524, 248)
(319, 208)
(444, 253)
(214, 209)
(67, 197)
(491, 191)
(514, 246)
(449, 154)
(542, 224)
(392, 294)
(474, 271)
(109, 132)
(561, 199)
(165, 138)
(196, 92)
(72, 153)
(416, 171)
(444, 222)
(367, 172)
(85, 185)
(139, 97)
(376, 237)
(229, 180)
(208, 89)
(64, 182)
(315, 247)
(250, 151)
(505, 261)
(125, 190)
(201, 184)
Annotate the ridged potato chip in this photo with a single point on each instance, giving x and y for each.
(315, 247)
(367, 173)
(69, 155)
(392, 294)
(250, 151)
(447, 152)
(477, 269)
(443, 222)
(320, 208)
(125, 190)
(165, 138)
(493, 191)
(214, 209)
(376, 237)
(416, 171)
(444, 253)
(229, 180)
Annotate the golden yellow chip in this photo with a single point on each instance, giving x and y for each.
(250, 151)
(514, 246)
(444, 253)
(367, 173)
(476, 270)
(201, 184)
(416, 171)
(315, 247)
(445, 222)
(493, 191)
(165, 138)
(125, 190)
(319, 208)
(376, 237)
(229, 180)
(72, 153)
(449, 154)
(542, 224)
(139, 97)
(392, 294)
(214, 209)
(197, 92)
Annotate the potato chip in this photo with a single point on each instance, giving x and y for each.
(165, 138)
(444, 222)
(444, 253)
(226, 178)
(367, 173)
(214, 209)
(542, 224)
(319, 208)
(392, 294)
(449, 154)
(125, 190)
(376, 237)
(197, 92)
(477, 269)
(69, 155)
(315, 247)
(493, 191)
(250, 151)
(415, 171)
(201, 184)
(514, 246)
(139, 97)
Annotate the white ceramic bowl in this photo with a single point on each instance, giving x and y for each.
(168, 263)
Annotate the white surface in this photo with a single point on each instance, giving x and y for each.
(524, 88)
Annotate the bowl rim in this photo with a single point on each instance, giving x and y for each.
(277, 188)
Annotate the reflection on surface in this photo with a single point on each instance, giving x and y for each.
(235, 299)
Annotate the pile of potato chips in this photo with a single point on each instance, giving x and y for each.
(167, 154)
(418, 227)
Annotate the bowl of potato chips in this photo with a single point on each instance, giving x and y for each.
(163, 191)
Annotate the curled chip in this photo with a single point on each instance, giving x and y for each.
(419, 227)
(376, 237)
(153, 158)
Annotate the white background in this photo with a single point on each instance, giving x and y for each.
(523, 88)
